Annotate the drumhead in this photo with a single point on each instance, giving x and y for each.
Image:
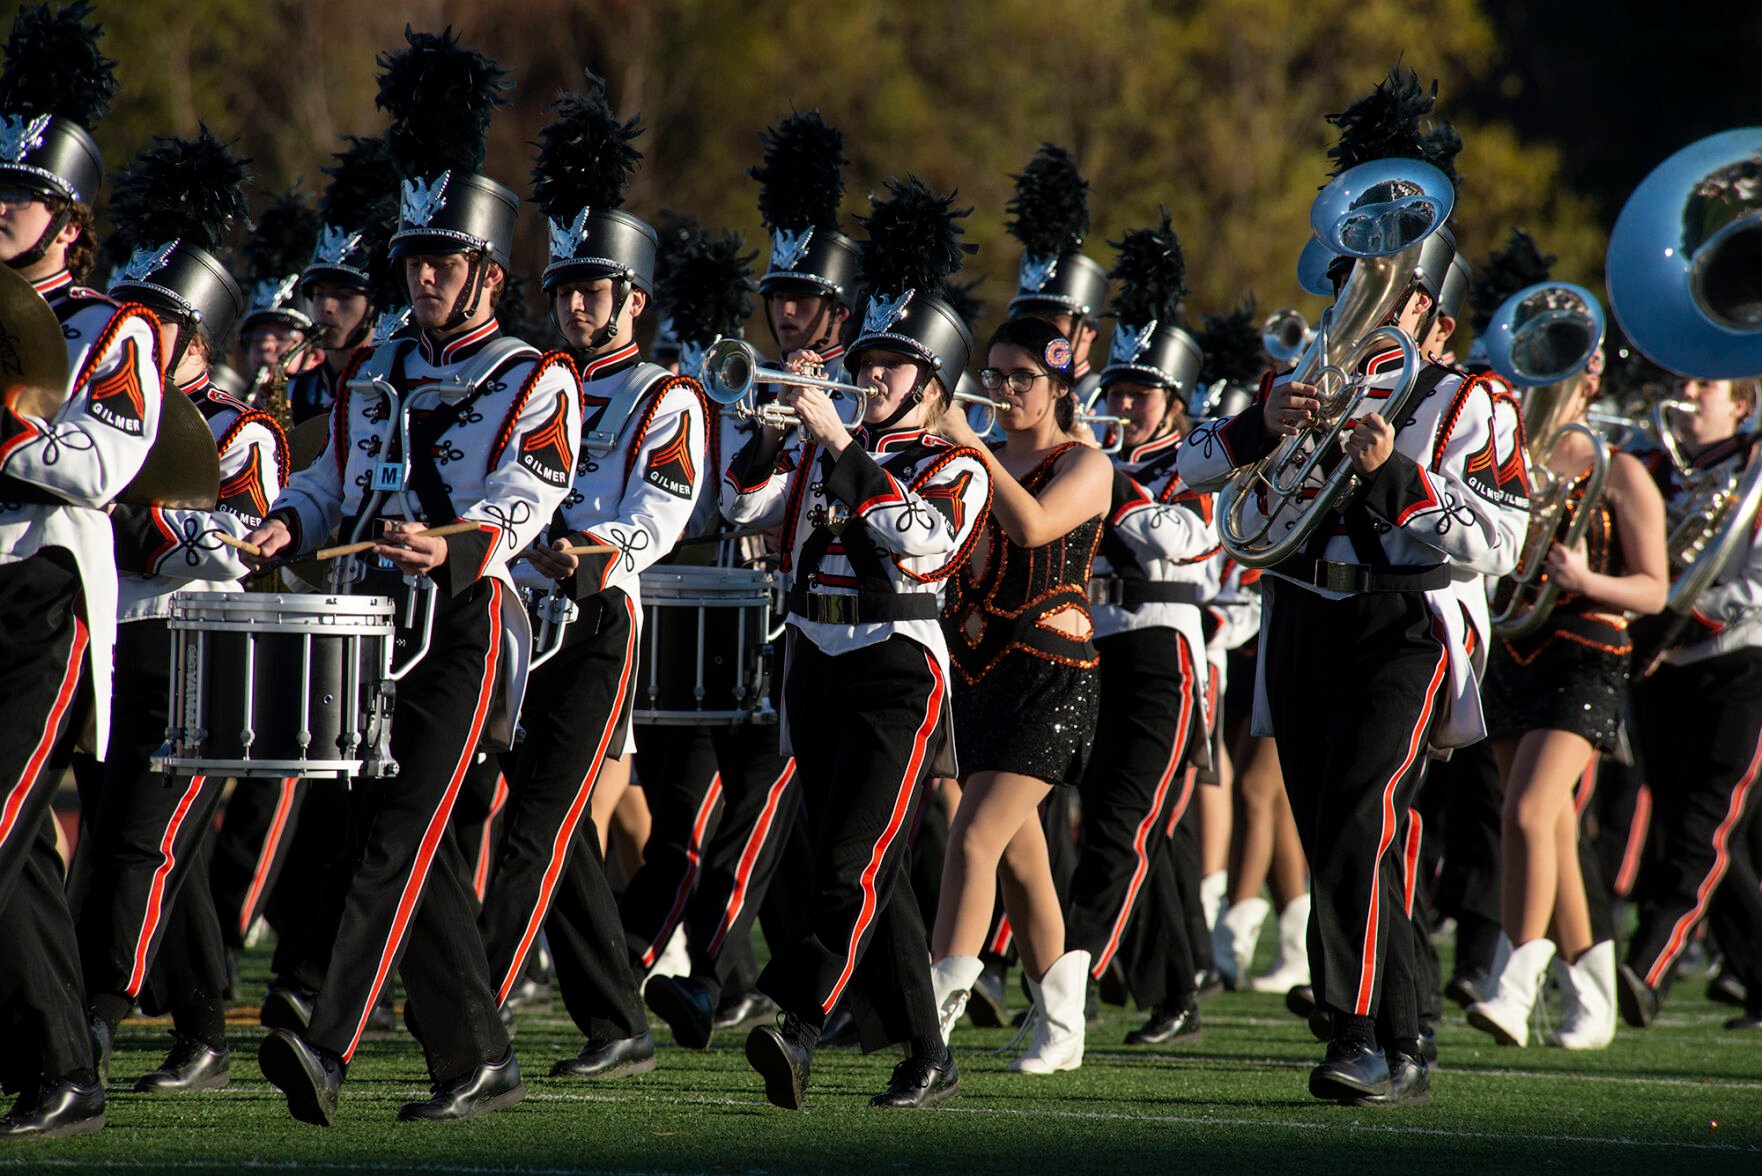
(276, 610)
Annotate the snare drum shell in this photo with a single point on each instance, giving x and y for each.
(702, 630)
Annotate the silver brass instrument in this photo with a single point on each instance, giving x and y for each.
(1113, 435)
(1541, 339)
(1380, 214)
(732, 372)
(1285, 334)
(991, 406)
(1667, 438)
(1684, 272)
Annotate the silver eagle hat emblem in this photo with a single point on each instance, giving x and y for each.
(787, 248)
(885, 311)
(422, 199)
(273, 293)
(334, 245)
(1036, 272)
(389, 324)
(1129, 342)
(146, 261)
(567, 236)
(20, 136)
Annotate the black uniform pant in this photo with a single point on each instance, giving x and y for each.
(187, 979)
(143, 837)
(549, 861)
(685, 790)
(307, 902)
(1702, 733)
(863, 726)
(1150, 701)
(43, 645)
(404, 900)
(1162, 951)
(1354, 687)
(1461, 801)
(251, 849)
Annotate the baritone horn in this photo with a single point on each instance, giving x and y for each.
(1381, 214)
(732, 372)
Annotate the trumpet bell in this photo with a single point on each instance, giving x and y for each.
(730, 367)
(1684, 267)
(1544, 333)
(1382, 207)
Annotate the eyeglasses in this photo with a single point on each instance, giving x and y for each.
(1019, 381)
(19, 197)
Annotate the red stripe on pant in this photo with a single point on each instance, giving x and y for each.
(1679, 934)
(694, 853)
(154, 911)
(21, 787)
(487, 844)
(565, 832)
(749, 856)
(1367, 967)
(437, 824)
(1587, 786)
(278, 823)
(1410, 858)
(1001, 940)
(1146, 827)
(902, 804)
(1637, 828)
(1189, 779)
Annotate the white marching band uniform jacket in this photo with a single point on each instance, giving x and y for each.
(58, 474)
(1727, 616)
(1453, 492)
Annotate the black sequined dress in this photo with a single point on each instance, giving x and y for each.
(1572, 673)
(1026, 693)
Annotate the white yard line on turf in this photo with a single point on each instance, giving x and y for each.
(1201, 1062)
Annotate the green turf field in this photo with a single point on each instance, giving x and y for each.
(1682, 1096)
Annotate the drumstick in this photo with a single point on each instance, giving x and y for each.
(370, 544)
(572, 549)
(247, 548)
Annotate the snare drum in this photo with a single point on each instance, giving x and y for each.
(705, 646)
(266, 684)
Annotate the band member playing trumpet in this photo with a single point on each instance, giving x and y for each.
(1554, 695)
(62, 461)
(873, 522)
(1375, 620)
(810, 285)
(503, 421)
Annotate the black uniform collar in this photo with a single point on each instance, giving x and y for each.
(53, 286)
(441, 352)
(611, 363)
(891, 440)
(1166, 443)
(1721, 451)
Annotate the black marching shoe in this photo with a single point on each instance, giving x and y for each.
(1300, 1001)
(782, 1055)
(1638, 1000)
(1470, 986)
(310, 1078)
(744, 1008)
(684, 1003)
(285, 1007)
(1428, 1046)
(625, 1058)
(1749, 1019)
(1410, 1084)
(489, 1087)
(920, 1082)
(1321, 1023)
(988, 1002)
(55, 1111)
(1350, 1071)
(381, 1021)
(191, 1065)
(1724, 988)
(1166, 1025)
(1207, 983)
(841, 1029)
(103, 1036)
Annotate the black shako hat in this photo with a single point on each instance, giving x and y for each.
(55, 88)
(801, 187)
(585, 161)
(1050, 217)
(913, 249)
(1149, 346)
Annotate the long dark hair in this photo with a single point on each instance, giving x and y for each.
(1047, 344)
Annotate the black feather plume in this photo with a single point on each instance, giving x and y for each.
(1519, 264)
(282, 240)
(440, 96)
(363, 188)
(965, 303)
(1232, 345)
(705, 291)
(1051, 205)
(183, 189)
(53, 66)
(913, 241)
(801, 181)
(585, 157)
(675, 232)
(1152, 272)
(513, 313)
(1387, 124)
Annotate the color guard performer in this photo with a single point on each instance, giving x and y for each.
(63, 460)
(479, 431)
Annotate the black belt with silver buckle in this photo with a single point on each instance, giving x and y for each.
(1134, 594)
(1356, 578)
(825, 608)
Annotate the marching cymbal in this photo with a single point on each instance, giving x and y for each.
(33, 351)
(182, 469)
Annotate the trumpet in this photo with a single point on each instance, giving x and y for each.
(1285, 334)
(732, 372)
(991, 406)
(1113, 437)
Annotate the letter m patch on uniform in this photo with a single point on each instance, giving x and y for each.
(670, 465)
(545, 450)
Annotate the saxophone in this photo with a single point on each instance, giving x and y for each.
(269, 385)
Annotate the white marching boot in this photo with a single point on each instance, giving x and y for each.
(1506, 1015)
(1234, 937)
(1587, 999)
(1059, 997)
(952, 979)
(1212, 889)
(1291, 966)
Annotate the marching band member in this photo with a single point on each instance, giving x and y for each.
(59, 469)
(276, 331)
(1020, 635)
(1057, 281)
(1372, 636)
(873, 523)
(480, 431)
(631, 494)
(1554, 699)
(148, 836)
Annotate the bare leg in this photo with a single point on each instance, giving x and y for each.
(1031, 900)
(1572, 912)
(1215, 819)
(1290, 872)
(609, 788)
(994, 806)
(1540, 773)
